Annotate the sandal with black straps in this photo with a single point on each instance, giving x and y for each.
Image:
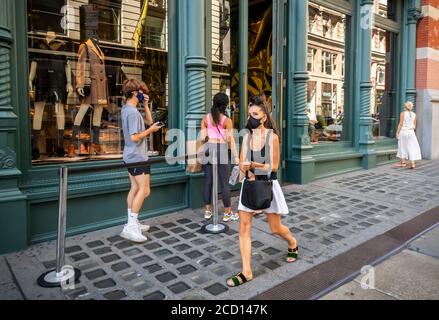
(236, 280)
(293, 254)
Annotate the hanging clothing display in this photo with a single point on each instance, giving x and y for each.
(50, 78)
(98, 80)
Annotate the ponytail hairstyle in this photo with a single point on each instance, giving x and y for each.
(260, 101)
(220, 103)
(408, 106)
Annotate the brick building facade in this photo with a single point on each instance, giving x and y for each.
(427, 79)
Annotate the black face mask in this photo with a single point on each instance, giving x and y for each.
(253, 123)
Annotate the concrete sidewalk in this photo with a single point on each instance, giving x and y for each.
(328, 217)
(412, 274)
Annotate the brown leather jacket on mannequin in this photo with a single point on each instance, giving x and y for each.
(98, 78)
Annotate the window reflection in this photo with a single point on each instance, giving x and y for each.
(326, 52)
(76, 75)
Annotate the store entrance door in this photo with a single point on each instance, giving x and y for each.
(265, 60)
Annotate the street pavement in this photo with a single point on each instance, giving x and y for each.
(328, 217)
(412, 274)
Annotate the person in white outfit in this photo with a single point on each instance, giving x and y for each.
(260, 161)
(408, 145)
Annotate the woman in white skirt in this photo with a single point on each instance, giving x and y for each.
(408, 146)
(260, 160)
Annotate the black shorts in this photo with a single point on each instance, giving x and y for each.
(139, 171)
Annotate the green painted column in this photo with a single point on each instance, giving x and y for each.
(413, 16)
(196, 63)
(243, 61)
(13, 223)
(366, 141)
(196, 67)
(300, 167)
(208, 50)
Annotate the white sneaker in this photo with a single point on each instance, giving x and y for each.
(227, 217)
(234, 216)
(143, 227)
(207, 215)
(133, 233)
(230, 217)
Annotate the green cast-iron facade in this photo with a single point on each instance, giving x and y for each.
(29, 194)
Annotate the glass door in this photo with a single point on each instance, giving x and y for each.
(278, 76)
(266, 53)
(248, 54)
(265, 60)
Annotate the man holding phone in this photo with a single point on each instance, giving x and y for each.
(136, 151)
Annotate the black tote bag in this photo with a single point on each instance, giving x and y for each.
(257, 194)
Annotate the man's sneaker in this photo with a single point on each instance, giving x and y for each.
(234, 217)
(132, 232)
(227, 217)
(143, 227)
(207, 215)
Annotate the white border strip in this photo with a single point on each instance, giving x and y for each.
(430, 11)
(427, 53)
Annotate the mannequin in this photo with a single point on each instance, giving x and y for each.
(52, 77)
(116, 77)
(98, 96)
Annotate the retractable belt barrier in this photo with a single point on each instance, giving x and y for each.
(66, 276)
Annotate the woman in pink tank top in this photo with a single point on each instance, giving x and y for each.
(218, 128)
(216, 133)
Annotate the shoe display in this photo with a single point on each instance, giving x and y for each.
(60, 152)
(96, 149)
(71, 153)
(35, 154)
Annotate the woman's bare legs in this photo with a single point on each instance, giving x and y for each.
(276, 226)
(245, 244)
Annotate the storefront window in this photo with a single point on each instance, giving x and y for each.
(109, 19)
(45, 15)
(76, 76)
(326, 99)
(225, 70)
(383, 78)
(383, 75)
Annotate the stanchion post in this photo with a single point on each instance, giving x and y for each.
(62, 210)
(62, 275)
(215, 227)
(215, 189)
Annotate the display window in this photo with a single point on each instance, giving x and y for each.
(384, 73)
(327, 109)
(80, 54)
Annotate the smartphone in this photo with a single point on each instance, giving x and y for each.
(160, 124)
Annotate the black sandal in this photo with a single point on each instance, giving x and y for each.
(293, 254)
(236, 282)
